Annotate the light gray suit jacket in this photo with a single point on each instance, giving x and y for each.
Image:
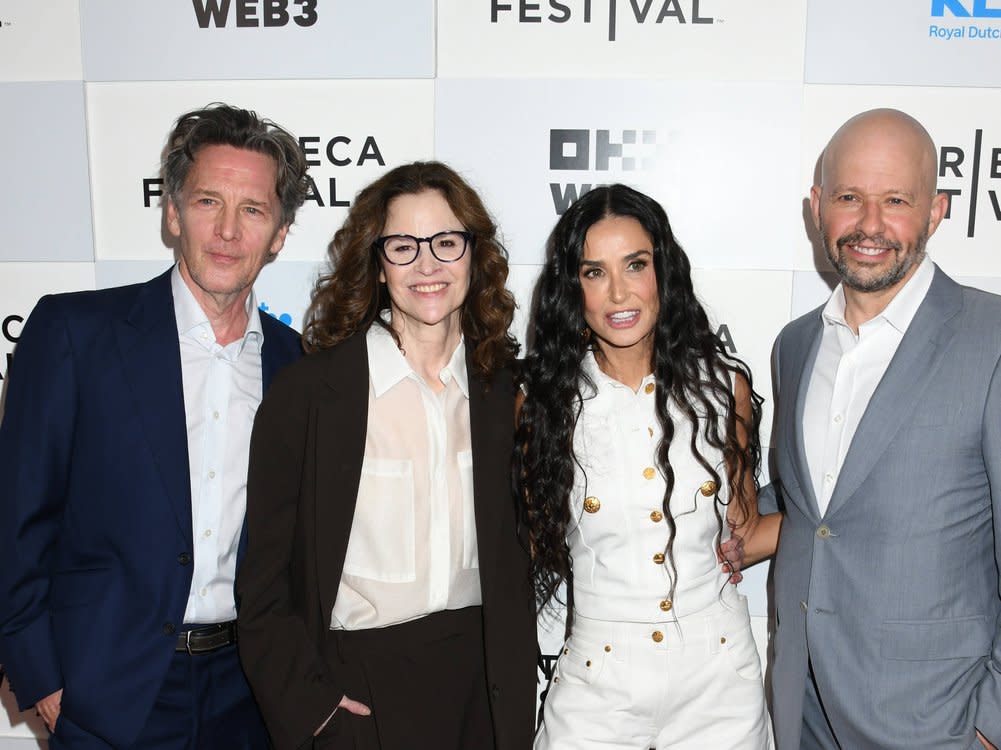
(893, 593)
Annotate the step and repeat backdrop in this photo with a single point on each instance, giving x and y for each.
(718, 108)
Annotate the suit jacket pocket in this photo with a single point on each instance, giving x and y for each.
(925, 640)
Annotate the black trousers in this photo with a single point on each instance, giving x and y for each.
(424, 681)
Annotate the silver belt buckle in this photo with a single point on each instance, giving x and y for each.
(187, 642)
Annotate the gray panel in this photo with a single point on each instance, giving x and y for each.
(903, 42)
(45, 190)
(124, 40)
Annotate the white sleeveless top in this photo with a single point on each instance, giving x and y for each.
(617, 533)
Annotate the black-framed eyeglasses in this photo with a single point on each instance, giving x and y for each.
(403, 249)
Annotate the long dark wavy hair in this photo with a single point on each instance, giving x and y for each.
(690, 364)
(349, 298)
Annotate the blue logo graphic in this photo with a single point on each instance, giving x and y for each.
(962, 9)
(283, 318)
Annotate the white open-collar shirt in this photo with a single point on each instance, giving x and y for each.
(846, 373)
(222, 390)
(412, 549)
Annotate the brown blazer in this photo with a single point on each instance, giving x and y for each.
(305, 466)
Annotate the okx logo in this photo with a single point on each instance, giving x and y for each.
(970, 174)
(254, 13)
(596, 151)
(964, 9)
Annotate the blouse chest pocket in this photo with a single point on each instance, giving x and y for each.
(382, 546)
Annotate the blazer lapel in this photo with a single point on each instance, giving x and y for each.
(803, 357)
(340, 429)
(151, 360)
(902, 387)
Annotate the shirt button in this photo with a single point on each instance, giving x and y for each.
(203, 591)
(656, 516)
(659, 558)
(823, 532)
(649, 473)
(657, 636)
(649, 388)
(828, 477)
(215, 415)
(837, 419)
(211, 475)
(592, 504)
(208, 532)
(666, 605)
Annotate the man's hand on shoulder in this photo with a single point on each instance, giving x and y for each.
(48, 708)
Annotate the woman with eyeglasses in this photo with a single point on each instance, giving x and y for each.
(385, 600)
(636, 454)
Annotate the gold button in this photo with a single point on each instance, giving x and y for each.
(649, 473)
(659, 558)
(708, 488)
(649, 388)
(823, 532)
(592, 504)
(566, 651)
(607, 649)
(657, 636)
(556, 678)
(722, 640)
(650, 430)
(666, 605)
(656, 516)
(587, 663)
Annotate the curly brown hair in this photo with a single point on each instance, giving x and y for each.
(349, 298)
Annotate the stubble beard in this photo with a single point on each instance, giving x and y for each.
(903, 262)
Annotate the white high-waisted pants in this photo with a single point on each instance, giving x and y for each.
(698, 688)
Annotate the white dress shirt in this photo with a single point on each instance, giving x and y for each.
(412, 549)
(617, 533)
(846, 373)
(222, 390)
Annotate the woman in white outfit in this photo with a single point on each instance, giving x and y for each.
(637, 455)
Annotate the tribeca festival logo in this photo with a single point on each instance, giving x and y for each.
(971, 177)
(985, 19)
(339, 152)
(254, 13)
(284, 317)
(10, 329)
(594, 151)
(641, 12)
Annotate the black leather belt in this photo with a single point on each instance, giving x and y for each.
(207, 639)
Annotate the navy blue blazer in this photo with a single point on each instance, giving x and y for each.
(95, 511)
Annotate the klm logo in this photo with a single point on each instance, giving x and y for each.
(254, 13)
(965, 9)
(584, 150)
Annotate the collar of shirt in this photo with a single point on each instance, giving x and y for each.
(898, 313)
(387, 366)
(590, 367)
(192, 321)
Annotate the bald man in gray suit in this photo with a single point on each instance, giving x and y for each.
(888, 459)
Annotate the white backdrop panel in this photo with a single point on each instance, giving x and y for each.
(213, 39)
(903, 42)
(676, 39)
(966, 126)
(724, 175)
(21, 286)
(45, 193)
(40, 41)
(353, 131)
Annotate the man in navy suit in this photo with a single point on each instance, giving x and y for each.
(123, 457)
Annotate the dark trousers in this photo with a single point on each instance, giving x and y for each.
(204, 703)
(424, 681)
